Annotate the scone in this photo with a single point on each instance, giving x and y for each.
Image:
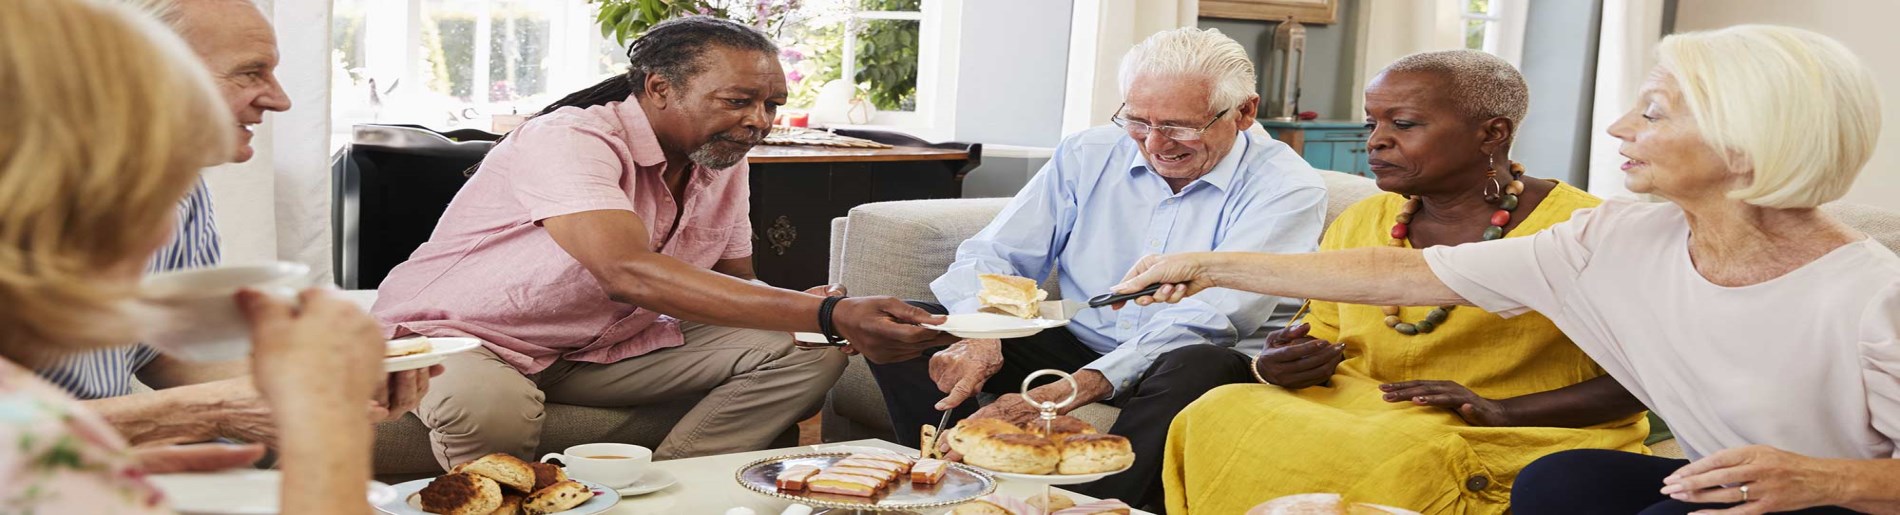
(995, 504)
(557, 497)
(546, 474)
(510, 505)
(460, 494)
(1102, 507)
(1059, 502)
(1010, 295)
(972, 429)
(506, 469)
(407, 347)
(1060, 428)
(1089, 454)
(1018, 453)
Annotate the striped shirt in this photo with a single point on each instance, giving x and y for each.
(109, 372)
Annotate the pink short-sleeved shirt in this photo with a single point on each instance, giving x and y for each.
(491, 271)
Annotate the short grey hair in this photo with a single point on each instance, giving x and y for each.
(171, 12)
(1484, 86)
(1193, 52)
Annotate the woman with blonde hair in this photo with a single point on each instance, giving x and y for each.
(108, 119)
(1764, 331)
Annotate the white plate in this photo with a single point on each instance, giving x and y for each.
(604, 498)
(653, 480)
(439, 349)
(811, 338)
(237, 492)
(1057, 479)
(991, 325)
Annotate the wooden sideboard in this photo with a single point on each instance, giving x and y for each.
(798, 190)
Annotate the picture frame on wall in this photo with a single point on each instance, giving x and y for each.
(1320, 12)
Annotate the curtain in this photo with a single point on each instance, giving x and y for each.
(277, 205)
(1626, 49)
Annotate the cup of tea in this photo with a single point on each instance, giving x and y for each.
(616, 465)
(194, 315)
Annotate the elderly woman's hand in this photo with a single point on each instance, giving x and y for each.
(1776, 480)
(1476, 410)
(1180, 275)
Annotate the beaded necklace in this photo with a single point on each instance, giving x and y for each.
(1506, 199)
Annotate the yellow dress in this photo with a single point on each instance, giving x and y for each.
(1244, 444)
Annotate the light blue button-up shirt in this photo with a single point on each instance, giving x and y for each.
(1097, 207)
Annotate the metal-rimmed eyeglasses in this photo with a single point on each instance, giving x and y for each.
(1140, 130)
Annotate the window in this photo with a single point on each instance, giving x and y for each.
(456, 64)
(1497, 27)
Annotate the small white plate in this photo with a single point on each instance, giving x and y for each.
(237, 492)
(604, 498)
(653, 480)
(439, 349)
(991, 325)
(1057, 479)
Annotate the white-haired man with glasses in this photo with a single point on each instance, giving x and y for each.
(1178, 171)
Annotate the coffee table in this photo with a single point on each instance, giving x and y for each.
(706, 485)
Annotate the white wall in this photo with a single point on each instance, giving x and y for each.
(1012, 68)
(1866, 27)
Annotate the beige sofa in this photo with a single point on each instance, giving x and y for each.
(897, 248)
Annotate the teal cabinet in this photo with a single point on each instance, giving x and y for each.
(1339, 146)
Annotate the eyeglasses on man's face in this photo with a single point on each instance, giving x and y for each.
(1140, 130)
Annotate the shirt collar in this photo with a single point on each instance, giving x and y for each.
(1221, 177)
(646, 147)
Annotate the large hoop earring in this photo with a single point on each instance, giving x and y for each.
(1493, 192)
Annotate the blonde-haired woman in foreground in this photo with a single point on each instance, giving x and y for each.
(109, 117)
(1764, 331)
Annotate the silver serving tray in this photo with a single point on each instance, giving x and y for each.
(961, 484)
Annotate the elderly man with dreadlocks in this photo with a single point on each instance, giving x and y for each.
(603, 253)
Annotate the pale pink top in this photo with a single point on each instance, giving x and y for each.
(492, 272)
(1808, 362)
(57, 457)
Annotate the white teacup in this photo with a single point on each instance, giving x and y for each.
(616, 465)
(195, 315)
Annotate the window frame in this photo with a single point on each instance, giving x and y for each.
(938, 37)
(1503, 28)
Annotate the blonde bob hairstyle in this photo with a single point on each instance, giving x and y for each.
(105, 120)
(1795, 108)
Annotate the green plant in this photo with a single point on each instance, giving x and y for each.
(624, 20)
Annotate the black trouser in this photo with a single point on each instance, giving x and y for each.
(1603, 481)
(1174, 380)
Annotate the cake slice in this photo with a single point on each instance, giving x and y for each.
(929, 472)
(895, 468)
(844, 484)
(1010, 295)
(903, 462)
(793, 478)
(883, 477)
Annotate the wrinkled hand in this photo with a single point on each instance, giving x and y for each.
(401, 393)
(1010, 408)
(1180, 275)
(1294, 360)
(960, 370)
(200, 457)
(1777, 481)
(242, 413)
(886, 329)
(1477, 411)
(325, 353)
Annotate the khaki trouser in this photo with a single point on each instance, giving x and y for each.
(755, 385)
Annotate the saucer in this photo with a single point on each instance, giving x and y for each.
(653, 480)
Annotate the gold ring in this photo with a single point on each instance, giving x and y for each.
(1744, 490)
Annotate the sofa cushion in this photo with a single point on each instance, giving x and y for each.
(1881, 224)
(899, 247)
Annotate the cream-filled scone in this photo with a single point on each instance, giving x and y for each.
(1010, 295)
(1090, 454)
(408, 347)
(1019, 453)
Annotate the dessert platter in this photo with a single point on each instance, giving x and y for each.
(501, 484)
(1052, 450)
(871, 481)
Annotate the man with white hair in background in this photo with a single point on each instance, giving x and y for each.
(195, 402)
(1178, 171)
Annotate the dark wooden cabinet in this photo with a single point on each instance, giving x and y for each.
(797, 191)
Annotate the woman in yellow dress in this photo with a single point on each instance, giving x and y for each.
(1415, 406)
